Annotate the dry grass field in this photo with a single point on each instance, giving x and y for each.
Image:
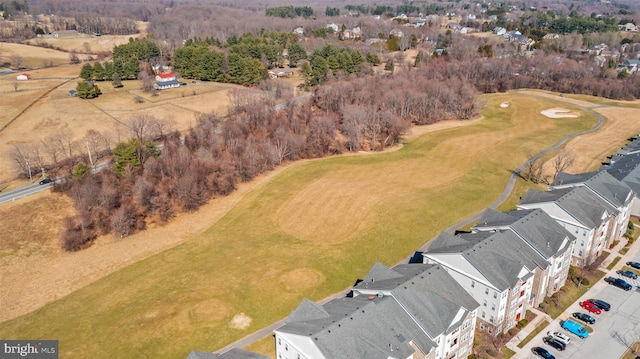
(33, 57)
(259, 251)
(83, 43)
(57, 111)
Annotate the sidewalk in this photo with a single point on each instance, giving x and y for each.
(524, 332)
(525, 352)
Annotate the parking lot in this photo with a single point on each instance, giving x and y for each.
(613, 331)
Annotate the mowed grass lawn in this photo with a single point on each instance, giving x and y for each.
(310, 232)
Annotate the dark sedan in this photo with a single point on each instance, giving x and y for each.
(542, 352)
(635, 265)
(584, 317)
(628, 274)
(554, 343)
(600, 304)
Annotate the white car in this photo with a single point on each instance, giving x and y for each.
(560, 336)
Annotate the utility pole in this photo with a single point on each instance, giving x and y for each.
(28, 169)
(89, 150)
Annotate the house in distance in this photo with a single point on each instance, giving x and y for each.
(166, 81)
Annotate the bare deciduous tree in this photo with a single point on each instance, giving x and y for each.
(143, 127)
(563, 160)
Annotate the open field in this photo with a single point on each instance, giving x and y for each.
(381, 207)
(33, 56)
(57, 111)
(83, 43)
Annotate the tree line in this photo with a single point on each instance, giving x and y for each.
(370, 113)
(289, 11)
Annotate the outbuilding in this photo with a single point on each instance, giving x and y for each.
(23, 77)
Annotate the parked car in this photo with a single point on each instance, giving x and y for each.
(554, 343)
(620, 283)
(635, 265)
(590, 307)
(628, 274)
(601, 304)
(560, 336)
(575, 328)
(45, 181)
(584, 317)
(542, 352)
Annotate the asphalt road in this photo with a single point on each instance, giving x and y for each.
(36, 187)
(23, 192)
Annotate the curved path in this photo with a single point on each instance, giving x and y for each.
(516, 173)
(510, 185)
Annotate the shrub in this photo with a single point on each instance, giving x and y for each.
(472, 356)
(512, 332)
(521, 324)
(542, 305)
(585, 281)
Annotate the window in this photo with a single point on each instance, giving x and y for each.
(485, 303)
(279, 341)
(483, 314)
(495, 295)
(584, 232)
(582, 243)
(286, 347)
(486, 291)
(522, 293)
(493, 307)
(580, 253)
(473, 284)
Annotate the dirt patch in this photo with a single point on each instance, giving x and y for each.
(240, 321)
(301, 279)
(559, 113)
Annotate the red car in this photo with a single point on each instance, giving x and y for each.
(590, 307)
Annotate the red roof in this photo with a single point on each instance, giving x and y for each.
(26, 74)
(166, 76)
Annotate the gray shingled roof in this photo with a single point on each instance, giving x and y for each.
(362, 328)
(623, 166)
(568, 178)
(585, 206)
(602, 182)
(426, 289)
(447, 243)
(234, 353)
(499, 256)
(535, 227)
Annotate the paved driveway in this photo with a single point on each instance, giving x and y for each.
(612, 332)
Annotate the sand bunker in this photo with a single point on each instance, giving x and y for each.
(504, 105)
(559, 113)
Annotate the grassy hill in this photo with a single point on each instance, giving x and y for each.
(309, 232)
